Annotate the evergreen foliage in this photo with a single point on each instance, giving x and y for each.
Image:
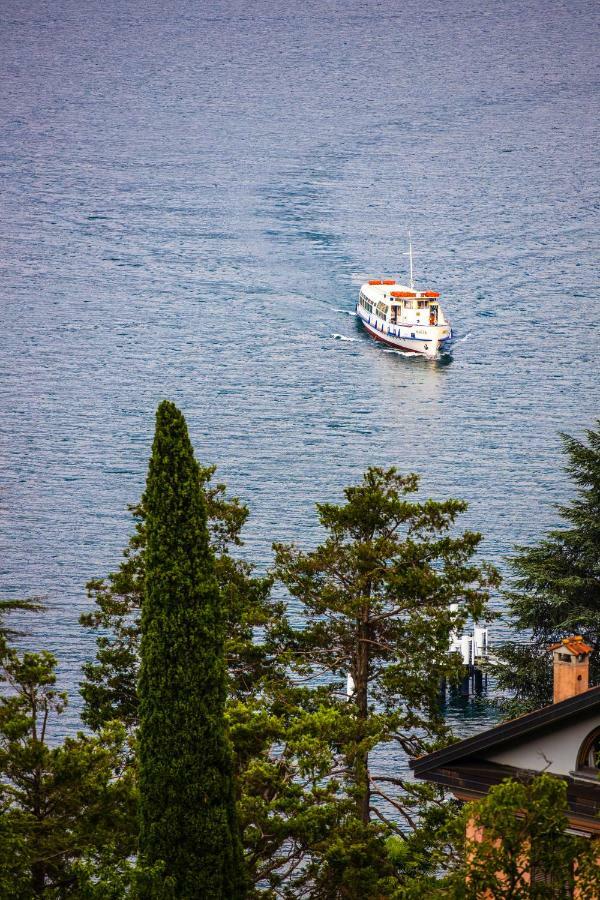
(109, 688)
(187, 804)
(380, 598)
(65, 810)
(320, 818)
(278, 730)
(295, 740)
(8, 632)
(556, 589)
(220, 662)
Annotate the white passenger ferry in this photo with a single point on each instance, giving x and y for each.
(403, 317)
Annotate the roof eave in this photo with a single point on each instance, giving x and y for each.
(508, 731)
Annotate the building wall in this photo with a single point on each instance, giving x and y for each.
(554, 752)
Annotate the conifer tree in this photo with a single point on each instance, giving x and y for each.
(66, 810)
(188, 821)
(281, 747)
(380, 597)
(556, 587)
(109, 688)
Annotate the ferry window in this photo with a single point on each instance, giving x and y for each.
(408, 304)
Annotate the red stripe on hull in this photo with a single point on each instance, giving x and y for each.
(379, 337)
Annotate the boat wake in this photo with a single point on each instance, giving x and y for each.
(347, 312)
(343, 337)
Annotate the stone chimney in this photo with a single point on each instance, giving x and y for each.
(571, 659)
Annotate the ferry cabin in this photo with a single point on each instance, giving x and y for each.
(406, 308)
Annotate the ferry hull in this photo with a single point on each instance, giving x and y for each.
(427, 347)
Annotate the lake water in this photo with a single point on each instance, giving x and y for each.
(191, 193)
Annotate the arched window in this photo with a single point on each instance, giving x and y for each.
(588, 758)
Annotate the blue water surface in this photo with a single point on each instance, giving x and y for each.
(191, 195)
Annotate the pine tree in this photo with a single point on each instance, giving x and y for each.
(380, 598)
(557, 584)
(188, 818)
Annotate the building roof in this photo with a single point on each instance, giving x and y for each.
(468, 767)
(508, 732)
(471, 780)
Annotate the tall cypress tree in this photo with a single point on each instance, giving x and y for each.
(188, 827)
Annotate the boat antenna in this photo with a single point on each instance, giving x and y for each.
(410, 256)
